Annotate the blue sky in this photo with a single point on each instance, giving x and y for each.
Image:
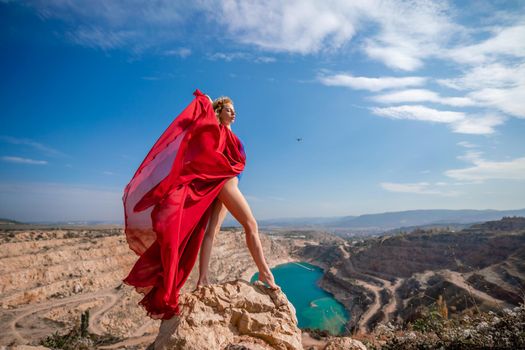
(400, 104)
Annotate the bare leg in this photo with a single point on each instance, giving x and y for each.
(218, 214)
(233, 199)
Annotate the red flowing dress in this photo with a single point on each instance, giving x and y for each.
(167, 203)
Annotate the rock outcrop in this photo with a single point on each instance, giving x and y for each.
(237, 315)
(345, 343)
(232, 315)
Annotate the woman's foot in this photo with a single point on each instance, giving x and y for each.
(202, 282)
(267, 277)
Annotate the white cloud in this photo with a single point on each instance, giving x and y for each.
(231, 56)
(46, 150)
(402, 35)
(368, 83)
(418, 112)
(265, 59)
(506, 42)
(313, 26)
(20, 160)
(294, 26)
(101, 38)
(418, 188)
(289, 26)
(479, 171)
(409, 32)
(494, 85)
(403, 57)
(471, 156)
(483, 170)
(458, 121)
(422, 95)
(115, 13)
(228, 57)
(466, 144)
(493, 75)
(478, 125)
(119, 24)
(510, 101)
(182, 52)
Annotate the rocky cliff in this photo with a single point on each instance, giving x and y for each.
(395, 278)
(230, 315)
(50, 277)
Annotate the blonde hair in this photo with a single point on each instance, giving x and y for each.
(218, 105)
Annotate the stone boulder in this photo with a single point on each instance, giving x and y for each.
(345, 343)
(234, 315)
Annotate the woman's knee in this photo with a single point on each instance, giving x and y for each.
(250, 225)
(232, 182)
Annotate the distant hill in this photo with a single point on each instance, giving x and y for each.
(424, 217)
(304, 222)
(76, 223)
(9, 222)
(508, 224)
(377, 223)
(301, 222)
(363, 224)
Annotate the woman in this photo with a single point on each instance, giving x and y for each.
(184, 185)
(230, 198)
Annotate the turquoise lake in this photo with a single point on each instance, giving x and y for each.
(315, 307)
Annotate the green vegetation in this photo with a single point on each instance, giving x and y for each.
(78, 338)
(433, 330)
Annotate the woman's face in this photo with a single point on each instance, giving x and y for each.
(227, 115)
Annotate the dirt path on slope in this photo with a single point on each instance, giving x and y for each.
(388, 309)
(459, 280)
(94, 319)
(17, 315)
(372, 309)
(147, 339)
(392, 303)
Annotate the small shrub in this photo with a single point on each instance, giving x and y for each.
(479, 331)
(78, 338)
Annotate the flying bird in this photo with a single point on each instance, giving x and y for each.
(299, 139)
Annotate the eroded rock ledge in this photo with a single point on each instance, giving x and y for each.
(235, 315)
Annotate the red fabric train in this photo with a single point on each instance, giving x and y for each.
(167, 203)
